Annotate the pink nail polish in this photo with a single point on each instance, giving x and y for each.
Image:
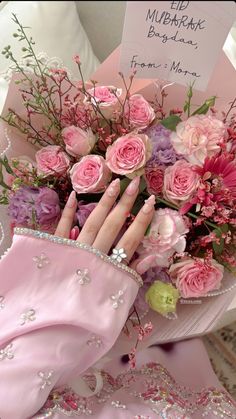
(113, 188)
(149, 204)
(133, 186)
(71, 200)
(142, 267)
(74, 233)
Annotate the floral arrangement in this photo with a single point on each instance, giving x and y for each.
(87, 135)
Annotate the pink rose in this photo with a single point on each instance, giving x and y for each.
(22, 167)
(128, 154)
(78, 141)
(51, 160)
(198, 137)
(196, 277)
(139, 112)
(180, 182)
(166, 236)
(154, 177)
(107, 98)
(90, 174)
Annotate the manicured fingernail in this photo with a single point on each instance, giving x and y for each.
(113, 188)
(133, 186)
(142, 267)
(71, 200)
(74, 233)
(149, 204)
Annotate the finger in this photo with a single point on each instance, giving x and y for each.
(64, 226)
(116, 219)
(135, 233)
(97, 217)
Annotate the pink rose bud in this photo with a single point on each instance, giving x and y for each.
(78, 141)
(90, 174)
(180, 182)
(139, 112)
(52, 160)
(107, 98)
(128, 154)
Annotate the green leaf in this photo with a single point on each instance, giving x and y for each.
(148, 230)
(126, 181)
(203, 109)
(218, 248)
(171, 122)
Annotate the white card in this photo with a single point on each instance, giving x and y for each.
(178, 41)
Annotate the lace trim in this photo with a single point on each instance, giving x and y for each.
(155, 388)
(68, 242)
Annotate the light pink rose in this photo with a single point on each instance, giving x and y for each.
(78, 141)
(107, 97)
(154, 177)
(22, 167)
(196, 277)
(52, 160)
(166, 236)
(198, 137)
(180, 182)
(138, 112)
(90, 174)
(128, 154)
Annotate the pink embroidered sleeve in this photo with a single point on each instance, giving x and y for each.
(62, 307)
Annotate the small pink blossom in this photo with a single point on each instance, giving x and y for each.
(76, 59)
(196, 277)
(22, 167)
(138, 112)
(180, 182)
(78, 141)
(128, 154)
(52, 160)
(90, 174)
(166, 236)
(199, 137)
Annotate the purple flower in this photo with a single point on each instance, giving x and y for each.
(84, 210)
(163, 152)
(30, 206)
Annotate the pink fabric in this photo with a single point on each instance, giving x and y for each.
(70, 327)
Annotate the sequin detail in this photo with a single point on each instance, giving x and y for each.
(83, 276)
(41, 261)
(46, 378)
(153, 387)
(116, 299)
(95, 341)
(2, 303)
(28, 316)
(62, 241)
(6, 353)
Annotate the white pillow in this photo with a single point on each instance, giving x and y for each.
(56, 30)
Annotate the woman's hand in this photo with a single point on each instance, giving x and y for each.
(104, 223)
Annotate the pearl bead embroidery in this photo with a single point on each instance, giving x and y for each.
(6, 353)
(28, 316)
(83, 276)
(68, 242)
(45, 377)
(116, 299)
(41, 260)
(95, 341)
(2, 304)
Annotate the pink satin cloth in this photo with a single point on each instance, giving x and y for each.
(62, 308)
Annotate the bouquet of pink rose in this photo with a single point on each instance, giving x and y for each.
(86, 135)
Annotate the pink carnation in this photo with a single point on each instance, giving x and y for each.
(196, 277)
(139, 112)
(166, 236)
(180, 182)
(128, 154)
(51, 160)
(90, 174)
(198, 137)
(78, 141)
